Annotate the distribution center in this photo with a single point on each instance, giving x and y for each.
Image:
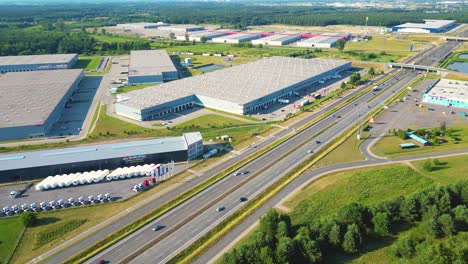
(31, 102)
(150, 66)
(37, 62)
(429, 26)
(449, 93)
(43, 163)
(240, 89)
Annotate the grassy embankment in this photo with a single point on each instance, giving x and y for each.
(10, 230)
(369, 186)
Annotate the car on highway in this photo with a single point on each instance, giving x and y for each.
(243, 199)
(236, 173)
(310, 151)
(157, 227)
(220, 209)
(318, 142)
(245, 172)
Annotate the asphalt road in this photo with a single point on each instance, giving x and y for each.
(132, 216)
(186, 223)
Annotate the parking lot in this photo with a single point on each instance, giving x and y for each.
(74, 114)
(119, 190)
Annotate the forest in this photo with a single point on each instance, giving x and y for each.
(441, 211)
(39, 29)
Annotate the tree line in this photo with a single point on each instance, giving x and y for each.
(440, 211)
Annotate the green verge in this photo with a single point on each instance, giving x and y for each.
(57, 231)
(11, 230)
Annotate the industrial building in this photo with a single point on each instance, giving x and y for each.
(182, 28)
(198, 35)
(40, 164)
(142, 25)
(37, 62)
(449, 93)
(240, 89)
(323, 42)
(31, 102)
(276, 40)
(237, 38)
(429, 26)
(150, 66)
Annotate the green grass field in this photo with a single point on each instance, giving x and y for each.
(130, 88)
(209, 122)
(10, 229)
(88, 63)
(389, 146)
(116, 38)
(392, 46)
(367, 186)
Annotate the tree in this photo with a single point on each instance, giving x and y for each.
(343, 85)
(29, 219)
(381, 223)
(409, 209)
(103, 31)
(282, 230)
(443, 126)
(171, 35)
(203, 39)
(334, 237)
(354, 78)
(187, 37)
(446, 224)
(404, 247)
(371, 71)
(352, 239)
(269, 222)
(340, 44)
(432, 228)
(285, 250)
(266, 255)
(308, 250)
(353, 213)
(427, 165)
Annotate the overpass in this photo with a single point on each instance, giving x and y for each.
(417, 67)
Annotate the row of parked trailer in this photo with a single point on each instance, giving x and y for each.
(74, 179)
(43, 206)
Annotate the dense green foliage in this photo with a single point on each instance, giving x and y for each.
(29, 219)
(441, 211)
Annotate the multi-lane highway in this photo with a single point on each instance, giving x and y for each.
(132, 216)
(195, 222)
(181, 224)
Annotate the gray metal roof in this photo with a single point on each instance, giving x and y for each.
(239, 36)
(150, 62)
(180, 26)
(36, 59)
(428, 23)
(321, 39)
(95, 152)
(206, 33)
(241, 84)
(28, 98)
(279, 38)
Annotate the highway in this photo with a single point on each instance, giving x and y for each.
(198, 215)
(132, 216)
(215, 191)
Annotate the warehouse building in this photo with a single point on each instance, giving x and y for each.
(240, 89)
(198, 35)
(276, 40)
(31, 102)
(323, 42)
(449, 93)
(150, 66)
(40, 164)
(37, 62)
(237, 38)
(429, 26)
(182, 28)
(142, 25)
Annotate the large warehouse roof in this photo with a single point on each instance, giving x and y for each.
(150, 62)
(428, 24)
(36, 59)
(279, 37)
(450, 90)
(241, 84)
(96, 152)
(28, 98)
(239, 36)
